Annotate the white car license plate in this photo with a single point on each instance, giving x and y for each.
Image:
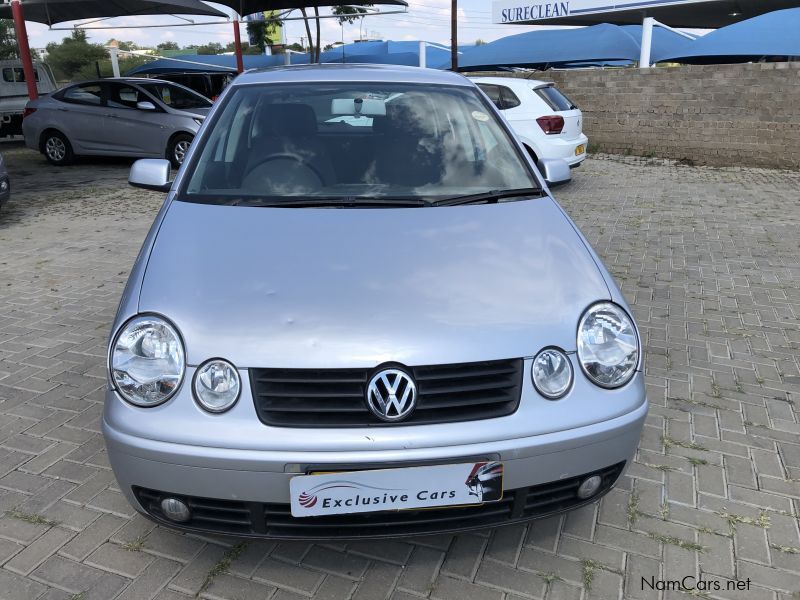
(396, 489)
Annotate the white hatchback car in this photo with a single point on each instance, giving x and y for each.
(544, 119)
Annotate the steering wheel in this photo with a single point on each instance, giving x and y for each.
(301, 173)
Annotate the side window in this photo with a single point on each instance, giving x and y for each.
(90, 94)
(493, 92)
(16, 74)
(508, 98)
(123, 96)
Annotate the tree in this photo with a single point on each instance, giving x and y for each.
(480, 42)
(73, 55)
(208, 49)
(168, 46)
(349, 14)
(264, 32)
(8, 40)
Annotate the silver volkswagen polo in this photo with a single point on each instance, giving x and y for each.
(360, 313)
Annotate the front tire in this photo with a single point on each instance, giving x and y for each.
(57, 149)
(178, 147)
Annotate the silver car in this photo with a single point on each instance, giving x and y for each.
(115, 117)
(338, 325)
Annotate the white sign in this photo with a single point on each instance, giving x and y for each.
(520, 11)
(396, 489)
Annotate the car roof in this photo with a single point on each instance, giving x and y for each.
(511, 81)
(352, 72)
(133, 80)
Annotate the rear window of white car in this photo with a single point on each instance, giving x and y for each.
(555, 99)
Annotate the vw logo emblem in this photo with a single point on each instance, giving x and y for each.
(392, 395)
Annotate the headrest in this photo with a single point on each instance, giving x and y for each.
(286, 120)
(406, 117)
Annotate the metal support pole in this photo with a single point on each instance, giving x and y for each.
(24, 49)
(237, 37)
(454, 35)
(114, 54)
(647, 42)
(423, 57)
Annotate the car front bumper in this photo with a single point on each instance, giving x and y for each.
(246, 492)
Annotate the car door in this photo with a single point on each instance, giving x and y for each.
(79, 113)
(131, 130)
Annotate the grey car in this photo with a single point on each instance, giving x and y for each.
(115, 117)
(361, 313)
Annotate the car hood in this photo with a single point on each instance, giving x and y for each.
(334, 288)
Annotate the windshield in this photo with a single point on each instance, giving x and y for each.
(177, 97)
(354, 141)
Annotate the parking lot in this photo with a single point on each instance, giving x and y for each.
(709, 259)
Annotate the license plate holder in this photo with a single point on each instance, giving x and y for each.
(437, 486)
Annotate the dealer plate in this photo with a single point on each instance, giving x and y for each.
(396, 489)
(580, 150)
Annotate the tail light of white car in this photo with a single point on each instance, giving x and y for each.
(551, 125)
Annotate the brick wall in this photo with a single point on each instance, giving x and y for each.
(717, 114)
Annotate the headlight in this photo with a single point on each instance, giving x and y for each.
(552, 373)
(608, 347)
(217, 386)
(147, 361)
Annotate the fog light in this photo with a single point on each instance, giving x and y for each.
(175, 510)
(589, 487)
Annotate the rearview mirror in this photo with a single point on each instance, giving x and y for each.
(151, 174)
(555, 171)
(145, 105)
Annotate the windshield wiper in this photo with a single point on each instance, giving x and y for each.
(490, 197)
(333, 202)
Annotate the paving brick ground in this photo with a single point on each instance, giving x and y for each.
(710, 259)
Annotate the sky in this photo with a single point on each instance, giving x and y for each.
(426, 19)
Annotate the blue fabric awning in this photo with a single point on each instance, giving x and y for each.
(392, 53)
(774, 34)
(553, 47)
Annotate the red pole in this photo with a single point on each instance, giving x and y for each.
(237, 36)
(24, 49)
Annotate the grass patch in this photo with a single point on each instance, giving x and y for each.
(590, 567)
(675, 541)
(663, 468)
(633, 508)
(669, 442)
(733, 520)
(785, 549)
(696, 461)
(223, 565)
(549, 578)
(79, 596)
(135, 545)
(32, 518)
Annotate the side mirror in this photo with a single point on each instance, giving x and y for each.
(151, 174)
(555, 171)
(146, 106)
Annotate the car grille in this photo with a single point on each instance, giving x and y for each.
(336, 397)
(276, 521)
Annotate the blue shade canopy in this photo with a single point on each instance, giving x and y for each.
(554, 47)
(775, 34)
(390, 53)
(220, 63)
(50, 12)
